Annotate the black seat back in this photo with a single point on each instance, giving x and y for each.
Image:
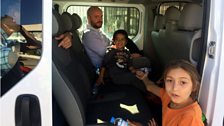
(70, 85)
(78, 50)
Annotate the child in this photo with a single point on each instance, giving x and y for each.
(117, 62)
(179, 105)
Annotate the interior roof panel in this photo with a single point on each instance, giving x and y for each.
(132, 1)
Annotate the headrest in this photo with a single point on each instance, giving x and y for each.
(77, 21)
(67, 21)
(191, 17)
(57, 28)
(159, 22)
(172, 14)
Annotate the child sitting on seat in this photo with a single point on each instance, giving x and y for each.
(179, 105)
(118, 63)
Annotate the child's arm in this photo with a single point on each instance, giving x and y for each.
(150, 86)
(101, 75)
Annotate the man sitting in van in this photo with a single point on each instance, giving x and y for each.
(10, 67)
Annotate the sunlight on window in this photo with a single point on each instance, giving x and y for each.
(133, 108)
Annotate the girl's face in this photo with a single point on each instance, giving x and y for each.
(178, 85)
(120, 41)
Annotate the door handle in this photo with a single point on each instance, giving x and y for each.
(27, 110)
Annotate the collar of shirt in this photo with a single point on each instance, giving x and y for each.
(92, 28)
(97, 30)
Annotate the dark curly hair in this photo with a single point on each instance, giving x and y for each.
(120, 31)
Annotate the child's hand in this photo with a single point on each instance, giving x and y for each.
(135, 55)
(113, 46)
(66, 40)
(152, 122)
(141, 75)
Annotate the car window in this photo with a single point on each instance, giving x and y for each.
(114, 18)
(21, 40)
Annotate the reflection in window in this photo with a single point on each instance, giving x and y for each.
(114, 18)
(21, 40)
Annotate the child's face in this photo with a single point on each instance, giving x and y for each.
(120, 41)
(178, 85)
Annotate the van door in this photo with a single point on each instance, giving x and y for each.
(27, 99)
(211, 94)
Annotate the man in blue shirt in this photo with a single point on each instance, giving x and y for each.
(94, 41)
(8, 57)
(8, 26)
(9, 65)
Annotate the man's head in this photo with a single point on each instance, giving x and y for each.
(95, 17)
(8, 24)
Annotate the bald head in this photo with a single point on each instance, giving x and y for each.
(95, 16)
(93, 9)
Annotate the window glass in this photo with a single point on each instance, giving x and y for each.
(21, 40)
(114, 18)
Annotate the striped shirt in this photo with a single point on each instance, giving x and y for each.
(6, 48)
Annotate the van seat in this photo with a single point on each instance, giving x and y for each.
(190, 18)
(159, 39)
(72, 92)
(159, 22)
(172, 16)
(187, 38)
(182, 40)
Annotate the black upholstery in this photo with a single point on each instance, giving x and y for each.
(105, 110)
(67, 98)
(78, 51)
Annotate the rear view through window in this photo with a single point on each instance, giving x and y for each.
(114, 18)
(21, 40)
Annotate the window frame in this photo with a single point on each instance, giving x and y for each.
(37, 83)
(126, 6)
(138, 39)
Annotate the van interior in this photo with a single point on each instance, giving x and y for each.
(163, 30)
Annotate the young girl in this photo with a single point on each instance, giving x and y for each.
(179, 105)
